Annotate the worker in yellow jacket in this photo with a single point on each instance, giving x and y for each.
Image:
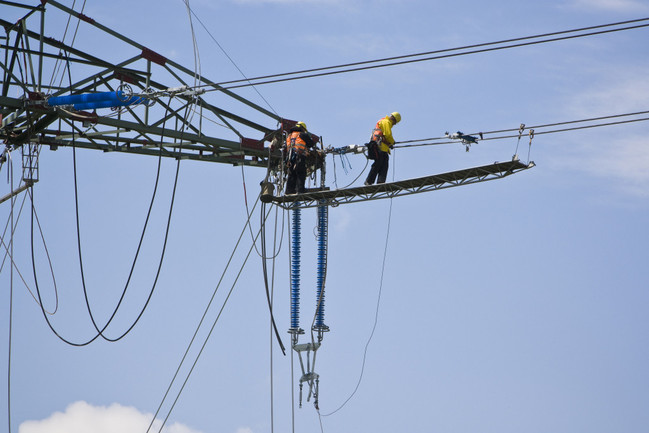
(379, 149)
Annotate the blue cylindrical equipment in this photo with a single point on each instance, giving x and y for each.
(295, 269)
(107, 103)
(95, 100)
(323, 213)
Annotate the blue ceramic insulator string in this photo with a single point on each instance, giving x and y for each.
(295, 270)
(323, 212)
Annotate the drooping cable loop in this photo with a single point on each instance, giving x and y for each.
(100, 331)
(376, 315)
(263, 216)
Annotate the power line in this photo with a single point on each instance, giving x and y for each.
(211, 330)
(434, 55)
(433, 141)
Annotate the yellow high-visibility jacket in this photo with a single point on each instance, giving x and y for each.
(383, 133)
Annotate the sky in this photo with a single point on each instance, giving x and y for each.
(517, 305)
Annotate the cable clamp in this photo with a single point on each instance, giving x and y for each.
(173, 91)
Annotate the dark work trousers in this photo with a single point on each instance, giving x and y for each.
(380, 168)
(296, 175)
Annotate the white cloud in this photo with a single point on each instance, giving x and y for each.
(81, 417)
(360, 46)
(611, 5)
(341, 220)
(620, 153)
(619, 92)
(625, 160)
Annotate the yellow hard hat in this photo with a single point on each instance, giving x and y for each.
(396, 116)
(301, 125)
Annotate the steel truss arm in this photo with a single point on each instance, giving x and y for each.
(135, 129)
(497, 170)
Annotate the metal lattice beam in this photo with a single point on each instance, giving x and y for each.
(497, 170)
(209, 132)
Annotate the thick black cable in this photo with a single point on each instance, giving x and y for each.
(11, 296)
(36, 285)
(76, 199)
(265, 274)
(40, 300)
(49, 261)
(272, 293)
(245, 201)
(100, 332)
(473, 49)
(38, 292)
(164, 248)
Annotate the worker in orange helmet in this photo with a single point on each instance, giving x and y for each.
(382, 137)
(298, 143)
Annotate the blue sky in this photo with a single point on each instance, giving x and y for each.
(506, 306)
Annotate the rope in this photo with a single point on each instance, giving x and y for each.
(378, 303)
(355, 179)
(229, 58)
(74, 37)
(376, 317)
